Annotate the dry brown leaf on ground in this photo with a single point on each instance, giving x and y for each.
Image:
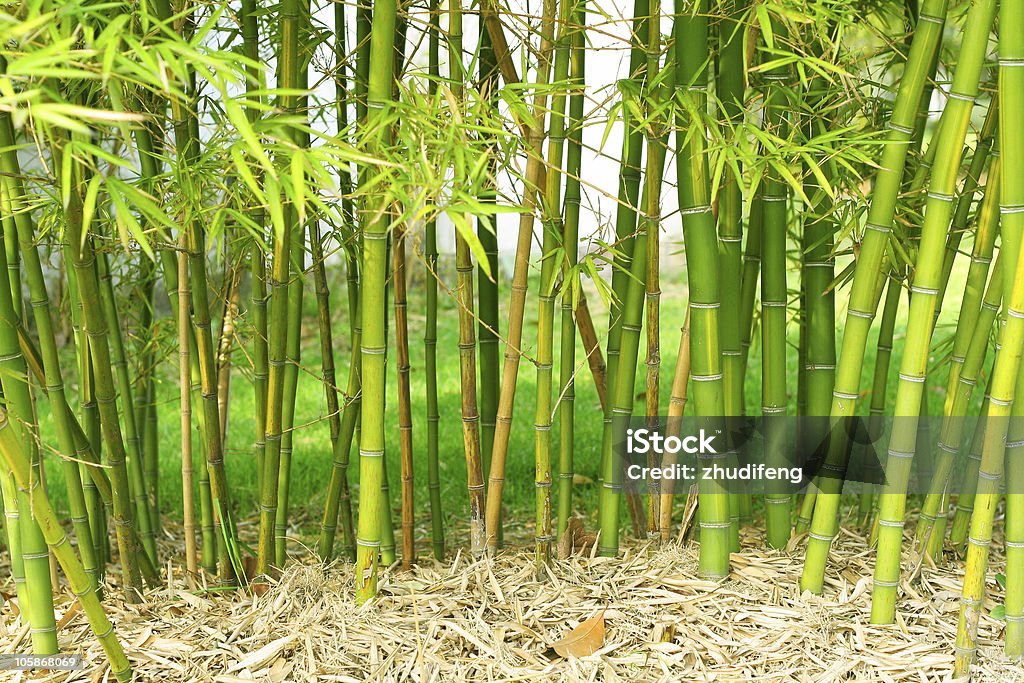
(584, 640)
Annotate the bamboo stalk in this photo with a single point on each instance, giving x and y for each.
(466, 306)
(136, 481)
(77, 502)
(863, 299)
(278, 329)
(691, 40)
(185, 387)
(21, 468)
(404, 401)
(923, 301)
(572, 294)
(487, 284)
(774, 205)
(35, 559)
(1011, 145)
(374, 273)
(532, 184)
(80, 252)
(655, 130)
(973, 316)
(430, 330)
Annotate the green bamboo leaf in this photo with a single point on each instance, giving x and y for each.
(92, 191)
(245, 174)
(236, 114)
(764, 21)
(467, 233)
(274, 207)
(126, 222)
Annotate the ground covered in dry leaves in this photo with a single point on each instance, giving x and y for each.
(492, 620)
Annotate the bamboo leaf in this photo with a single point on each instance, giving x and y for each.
(584, 640)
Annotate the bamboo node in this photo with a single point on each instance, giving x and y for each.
(906, 130)
(953, 95)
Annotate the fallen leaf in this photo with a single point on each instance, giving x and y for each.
(584, 640)
(69, 615)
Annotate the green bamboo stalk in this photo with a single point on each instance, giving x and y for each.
(863, 299)
(293, 348)
(553, 227)
(90, 417)
(570, 276)
(748, 287)
(35, 558)
(185, 392)
(258, 261)
(626, 220)
(146, 414)
(879, 385)
(343, 418)
(487, 284)
(278, 329)
(12, 529)
(729, 89)
(430, 330)
(13, 192)
(1006, 372)
(404, 401)
(621, 400)
(374, 274)
(1011, 145)
(654, 131)
(690, 30)
(923, 301)
(774, 201)
(20, 465)
(973, 316)
(965, 500)
(297, 67)
(136, 481)
(79, 251)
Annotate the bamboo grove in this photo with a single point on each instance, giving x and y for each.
(182, 182)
